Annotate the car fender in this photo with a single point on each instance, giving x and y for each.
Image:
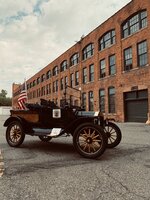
(11, 119)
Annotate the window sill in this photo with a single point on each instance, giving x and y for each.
(88, 58)
(136, 68)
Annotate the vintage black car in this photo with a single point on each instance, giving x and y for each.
(92, 134)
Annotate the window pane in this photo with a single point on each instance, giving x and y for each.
(135, 23)
(112, 65)
(88, 51)
(91, 73)
(142, 53)
(128, 59)
(102, 100)
(102, 68)
(107, 40)
(91, 101)
(111, 93)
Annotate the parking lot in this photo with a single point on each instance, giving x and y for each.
(55, 170)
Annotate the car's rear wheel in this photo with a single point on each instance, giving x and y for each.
(45, 138)
(113, 133)
(89, 140)
(14, 134)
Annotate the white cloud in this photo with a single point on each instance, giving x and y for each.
(35, 32)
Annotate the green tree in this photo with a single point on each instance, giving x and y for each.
(3, 93)
(5, 101)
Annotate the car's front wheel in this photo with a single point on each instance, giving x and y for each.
(14, 134)
(89, 140)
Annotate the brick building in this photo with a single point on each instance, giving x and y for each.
(109, 67)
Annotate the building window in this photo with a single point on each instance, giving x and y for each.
(34, 83)
(66, 80)
(77, 78)
(91, 101)
(107, 40)
(28, 86)
(38, 92)
(102, 68)
(48, 74)
(55, 71)
(84, 78)
(31, 84)
(112, 65)
(88, 51)
(102, 100)
(74, 60)
(128, 59)
(91, 73)
(43, 91)
(63, 66)
(42, 78)
(111, 100)
(135, 23)
(83, 104)
(61, 84)
(34, 94)
(142, 53)
(71, 79)
(48, 88)
(38, 80)
(55, 86)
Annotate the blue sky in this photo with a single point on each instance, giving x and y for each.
(35, 32)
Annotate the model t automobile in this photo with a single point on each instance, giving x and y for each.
(91, 133)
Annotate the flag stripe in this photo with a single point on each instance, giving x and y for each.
(22, 100)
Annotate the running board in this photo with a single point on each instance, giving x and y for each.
(47, 132)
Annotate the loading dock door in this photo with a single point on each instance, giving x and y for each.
(136, 106)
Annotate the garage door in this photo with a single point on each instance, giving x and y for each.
(136, 106)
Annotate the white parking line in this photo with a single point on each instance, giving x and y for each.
(1, 164)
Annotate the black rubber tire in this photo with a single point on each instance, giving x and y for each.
(45, 138)
(113, 133)
(94, 140)
(14, 134)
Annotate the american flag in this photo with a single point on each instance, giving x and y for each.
(22, 98)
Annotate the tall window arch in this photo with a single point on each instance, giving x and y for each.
(108, 39)
(74, 60)
(134, 23)
(55, 71)
(88, 51)
(38, 80)
(63, 66)
(43, 77)
(48, 74)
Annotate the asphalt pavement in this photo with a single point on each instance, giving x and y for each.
(55, 171)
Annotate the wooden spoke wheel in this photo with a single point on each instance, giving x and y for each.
(89, 140)
(14, 134)
(113, 133)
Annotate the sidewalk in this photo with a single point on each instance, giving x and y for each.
(3, 118)
(1, 164)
